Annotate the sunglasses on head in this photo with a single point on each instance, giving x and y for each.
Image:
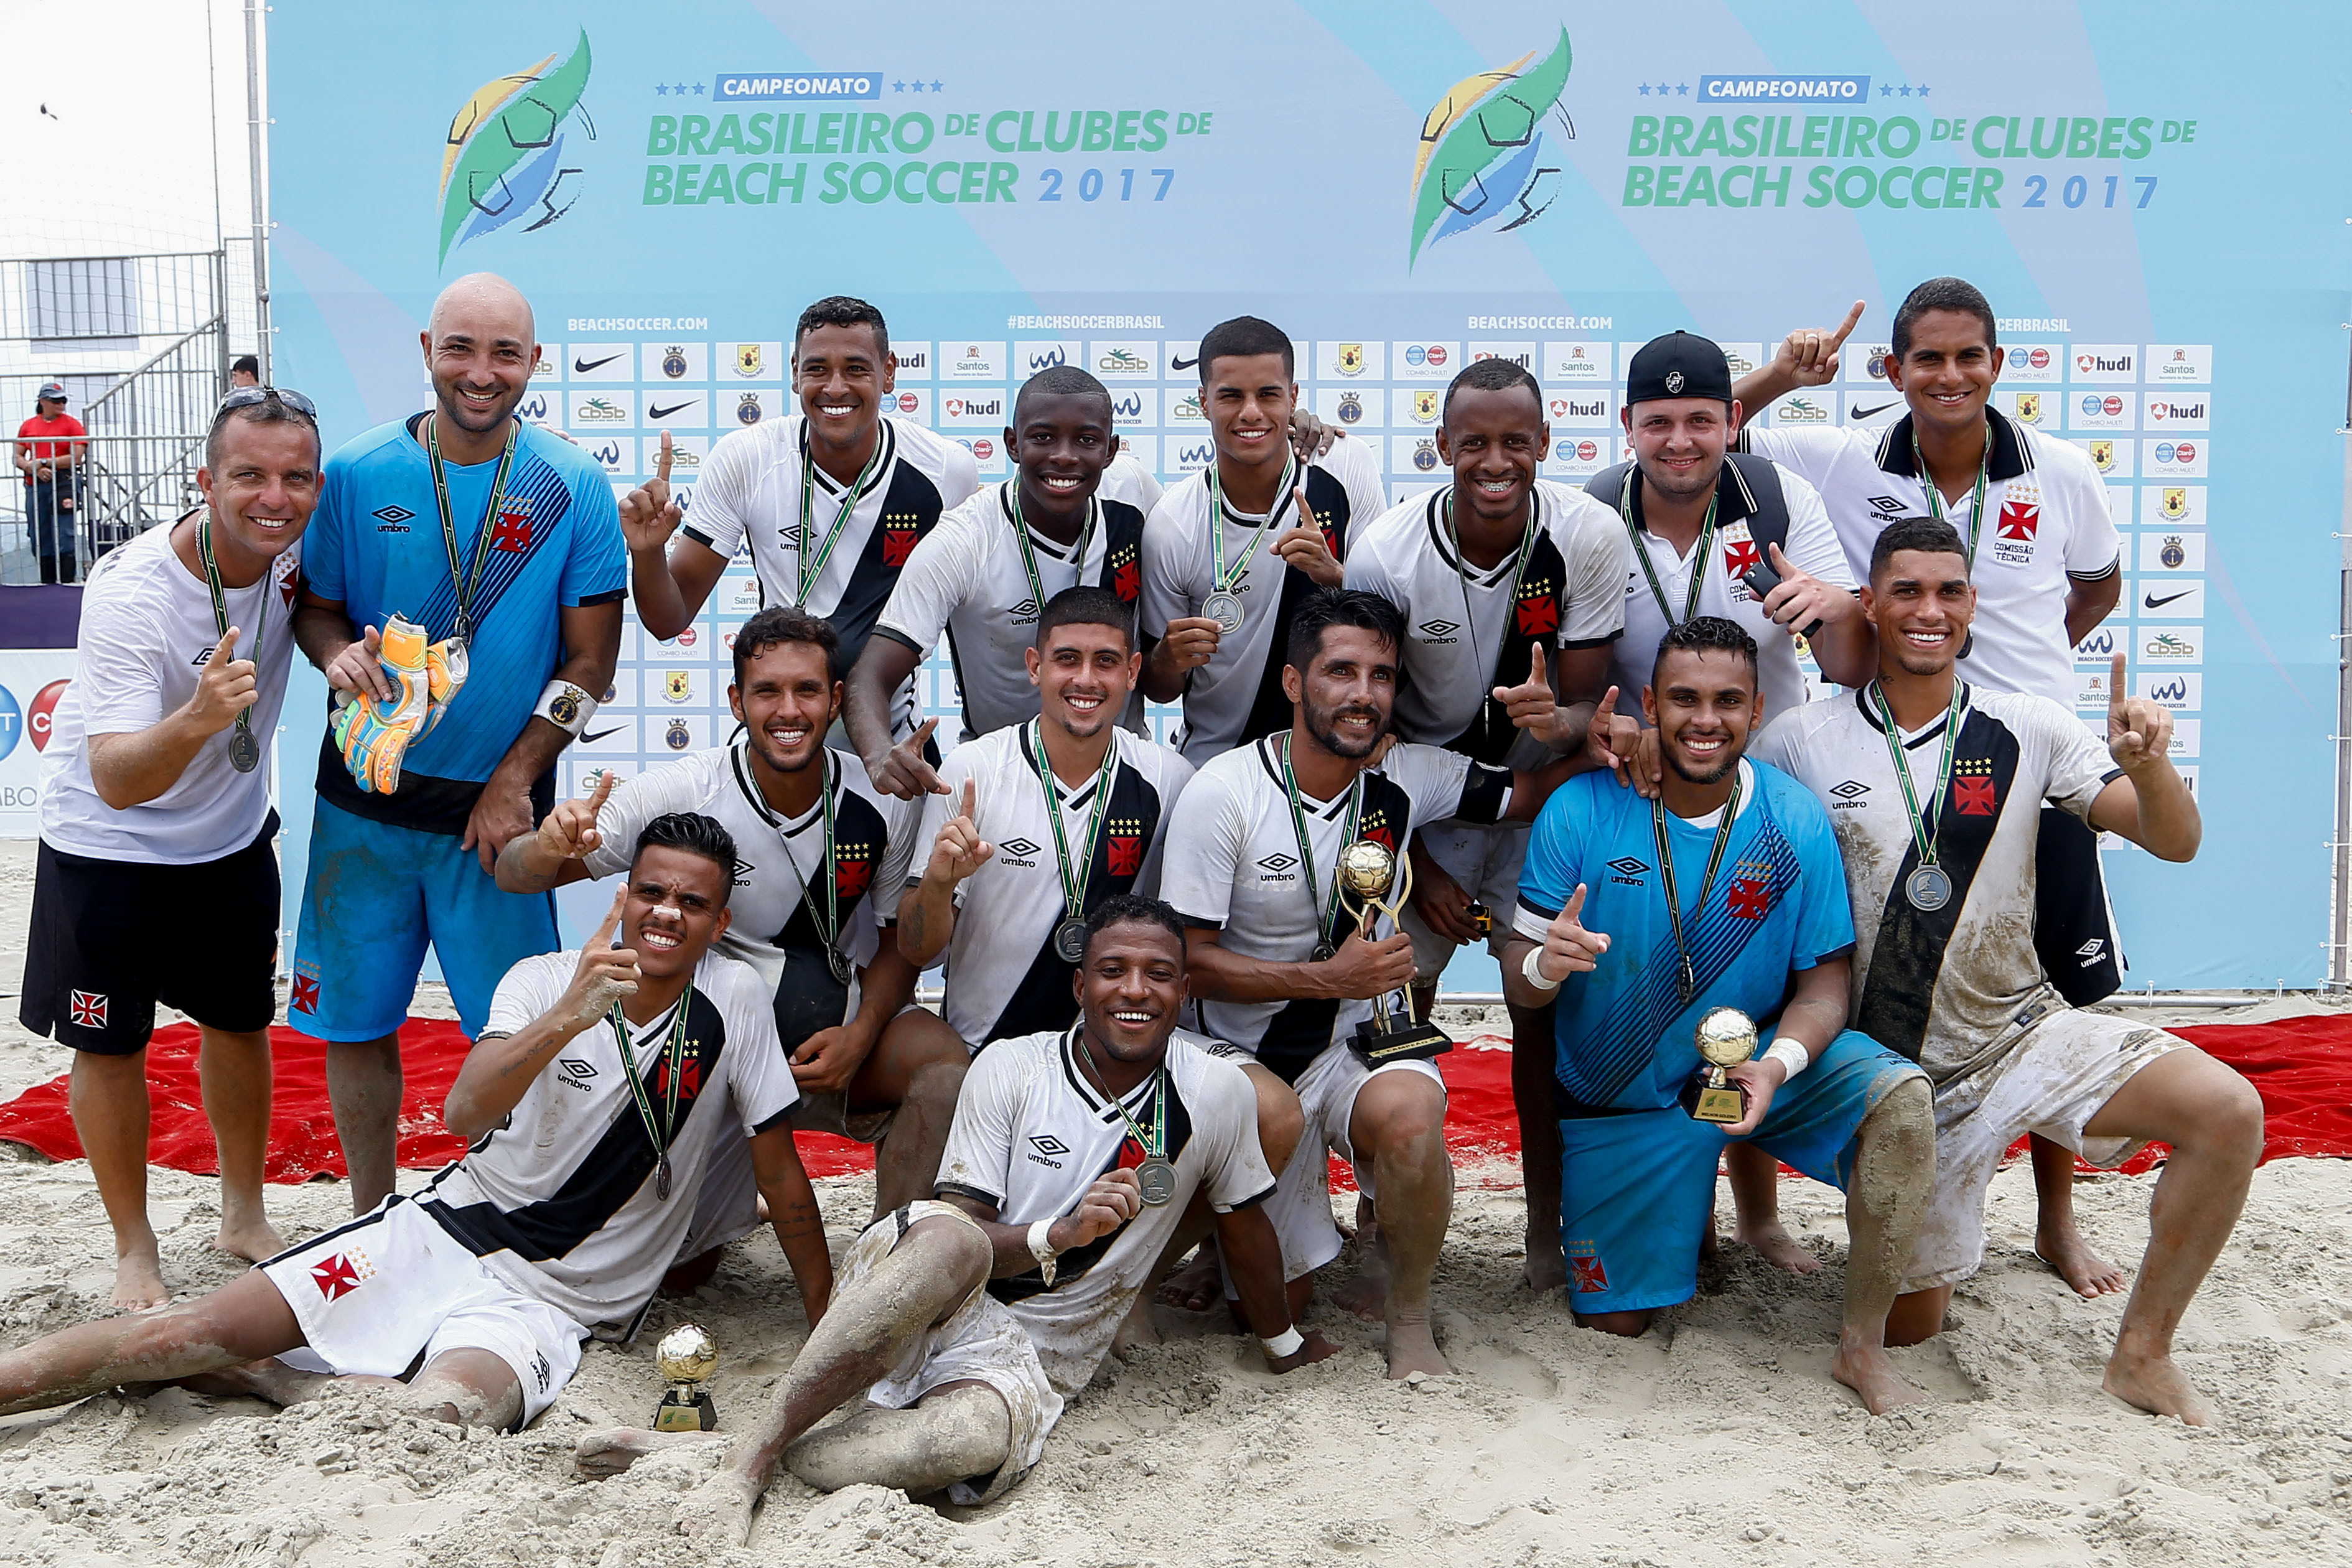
(247, 396)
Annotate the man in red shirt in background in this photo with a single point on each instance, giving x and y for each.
(49, 466)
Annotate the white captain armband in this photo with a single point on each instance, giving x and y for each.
(566, 707)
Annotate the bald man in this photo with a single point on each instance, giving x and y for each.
(465, 566)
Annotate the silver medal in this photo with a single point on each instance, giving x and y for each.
(243, 751)
(1070, 940)
(838, 961)
(1225, 609)
(1929, 888)
(1324, 952)
(1157, 1178)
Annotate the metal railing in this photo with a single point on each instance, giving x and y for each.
(123, 484)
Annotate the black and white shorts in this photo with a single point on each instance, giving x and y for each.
(110, 939)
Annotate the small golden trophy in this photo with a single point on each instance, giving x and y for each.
(687, 1357)
(1727, 1036)
(1367, 871)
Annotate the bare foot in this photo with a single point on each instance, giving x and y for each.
(1414, 1348)
(2157, 1386)
(1367, 1295)
(138, 1276)
(615, 1449)
(1870, 1372)
(2064, 1248)
(1137, 1328)
(249, 1237)
(1546, 1269)
(720, 1510)
(1199, 1285)
(1778, 1247)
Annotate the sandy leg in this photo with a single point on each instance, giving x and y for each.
(2056, 1239)
(615, 1450)
(1887, 1204)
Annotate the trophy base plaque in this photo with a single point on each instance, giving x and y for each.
(1711, 1097)
(682, 1412)
(1399, 1040)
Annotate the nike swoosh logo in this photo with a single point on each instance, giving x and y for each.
(652, 412)
(2153, 602)
(1175, 363)
(599, 735)
(1866, 412)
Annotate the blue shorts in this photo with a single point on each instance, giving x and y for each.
(374, 896)
(1637, 1189)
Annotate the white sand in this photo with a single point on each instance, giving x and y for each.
(1717, 1438)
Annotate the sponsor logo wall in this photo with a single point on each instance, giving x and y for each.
(1543, 185)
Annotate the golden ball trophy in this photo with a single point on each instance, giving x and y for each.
(1727, 1036)
(686, 1357)
(1379, 883)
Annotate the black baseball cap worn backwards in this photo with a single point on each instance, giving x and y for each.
(1680, 365)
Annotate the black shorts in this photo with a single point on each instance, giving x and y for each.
(2074, 933)
(111, 939)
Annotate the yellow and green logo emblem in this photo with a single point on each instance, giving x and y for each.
(1480, 158)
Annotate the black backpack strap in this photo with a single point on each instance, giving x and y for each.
(1608, 486)
(1768, 524)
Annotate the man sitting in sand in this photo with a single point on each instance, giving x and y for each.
(1940, 861)
(1077, 1157)
(1724, 891)
(563, 1214)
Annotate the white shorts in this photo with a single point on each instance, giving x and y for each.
(1485, 857)
(392, 1289)
(2053, 1081)
(981, 1341)
(1300, 1207)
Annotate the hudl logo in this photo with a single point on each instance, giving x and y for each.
(1482, 160)
(503, 158)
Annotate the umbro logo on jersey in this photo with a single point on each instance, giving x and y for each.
(744, 870)
(202, 658)
(1439, 631)
(1887, 506)
(2091, 952)
(1277, 868)
(1017, 852)
(1048, 1150)
(1025, 610)
(1627, 866)
(575, 1072)
(391, 514)
(1849, 793)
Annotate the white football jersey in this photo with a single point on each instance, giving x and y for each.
(1468, 630)
(750, 494)
(969, 579)
(1005, 977)
(1237, 695)
(1944, 987)
(1813, 546)
(775, 929)
(1031, 1134)
(1234, 864)
(559, 1201)
(2048, 528)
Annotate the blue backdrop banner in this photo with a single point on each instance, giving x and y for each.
(2153, 203)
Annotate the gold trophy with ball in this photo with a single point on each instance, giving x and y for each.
(686, 1357)
(1371, 877)
(1725, 1037)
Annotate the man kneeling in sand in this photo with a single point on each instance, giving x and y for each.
(563, 1214)
(1076, 1157)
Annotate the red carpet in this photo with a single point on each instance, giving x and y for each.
(2300, 1067)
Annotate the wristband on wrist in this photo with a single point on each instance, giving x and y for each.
(1041, 1247)
(1531, 966)
(1286, 1342)
(566, 707)
(1792, 1056)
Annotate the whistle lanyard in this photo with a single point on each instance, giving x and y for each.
(828, 925)
(220, 611)
(1326, 907)
(1470, 616)
(673, 1058)
(461, 581)
(806, 571)
(1688, 978)
(1155, 1146)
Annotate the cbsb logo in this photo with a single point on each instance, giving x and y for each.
(1481, 158)
(504, 157)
